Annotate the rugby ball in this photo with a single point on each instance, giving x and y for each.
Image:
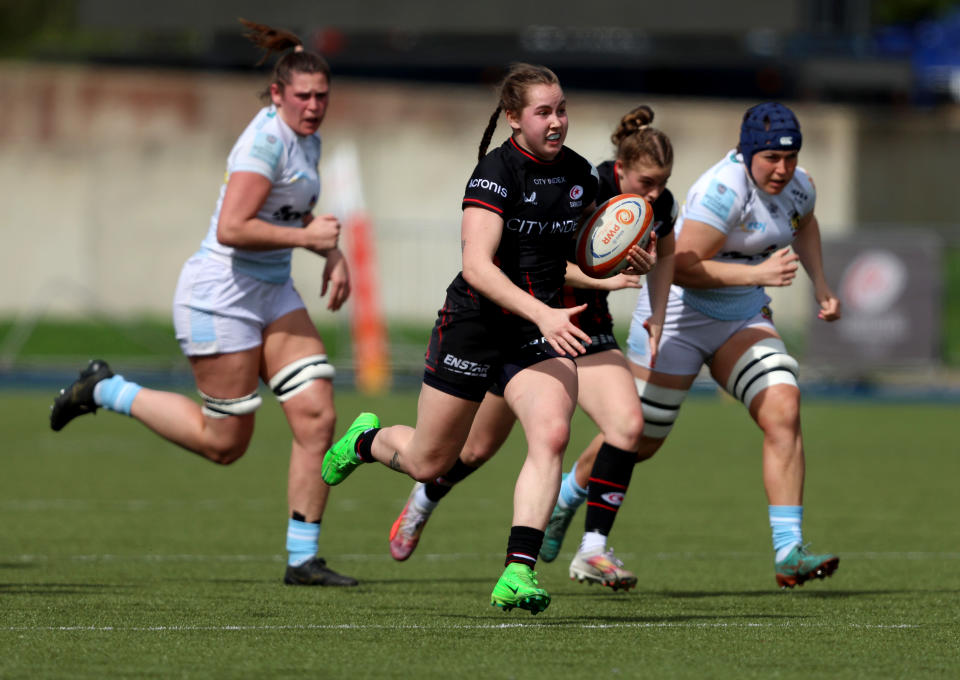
(605, 238)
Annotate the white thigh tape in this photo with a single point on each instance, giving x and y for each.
(661, 406)
(224, 408)
(296, 376)
(764, 364)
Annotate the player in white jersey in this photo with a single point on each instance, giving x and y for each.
(734, 237)
(237, 315)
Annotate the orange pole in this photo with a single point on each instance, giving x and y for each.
(372, 372)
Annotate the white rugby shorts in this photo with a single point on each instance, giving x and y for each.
(689, 338)
(218, 310)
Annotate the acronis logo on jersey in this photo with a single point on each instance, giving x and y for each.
(488, 185)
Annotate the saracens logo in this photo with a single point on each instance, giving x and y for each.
(576, 191)
(613, 498)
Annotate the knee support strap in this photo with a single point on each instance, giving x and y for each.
(295, 377)
(224, 408)
(661, 406)
(764, 364)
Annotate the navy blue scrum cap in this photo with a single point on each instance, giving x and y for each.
(770, 125)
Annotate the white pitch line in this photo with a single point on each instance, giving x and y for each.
(450, 557)
(480, 626)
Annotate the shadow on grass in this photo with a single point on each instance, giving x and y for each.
(792, 592)
(592, 620)
(419, 583)
(607, 595)
(424, 582)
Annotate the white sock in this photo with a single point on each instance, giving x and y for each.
(592, 540)
(422, 503)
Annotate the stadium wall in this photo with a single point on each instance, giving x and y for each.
(111, 175)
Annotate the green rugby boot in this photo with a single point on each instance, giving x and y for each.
(518, 587)
(556, 529)
(799, 566)
(342, 458)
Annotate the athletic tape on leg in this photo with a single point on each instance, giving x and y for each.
(297, 376)
(224, 408)
(763, 364)
(661, 406)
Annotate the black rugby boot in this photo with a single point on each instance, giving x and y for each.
(77, 399)
(314, 572)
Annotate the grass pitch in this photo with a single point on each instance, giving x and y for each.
(123, 556)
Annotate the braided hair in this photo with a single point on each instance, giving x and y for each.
(513, 95)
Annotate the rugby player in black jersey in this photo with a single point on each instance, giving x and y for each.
(643, 163)
(503, 324)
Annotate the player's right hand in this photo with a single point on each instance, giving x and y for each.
(561, 333)
(779, 269)
(323, 233)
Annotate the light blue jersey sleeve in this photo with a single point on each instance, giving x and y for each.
(261, 153)
(717, 197)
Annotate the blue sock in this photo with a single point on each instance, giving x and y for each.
(785, 521)
(116, 394)
(572, 495)
(302, 539)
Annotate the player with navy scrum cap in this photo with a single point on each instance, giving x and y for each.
(734, 237)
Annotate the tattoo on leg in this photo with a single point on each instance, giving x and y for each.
(395, 461)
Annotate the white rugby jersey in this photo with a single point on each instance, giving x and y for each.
(270, 148)
(755, 223)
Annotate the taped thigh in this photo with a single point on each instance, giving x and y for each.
(765, 363)
(224, 408)
(661, 406)
(297, 376)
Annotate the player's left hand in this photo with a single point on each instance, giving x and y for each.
(829, 307)
(622, 280)
(654, 332)
(642, 260)
(336, 279)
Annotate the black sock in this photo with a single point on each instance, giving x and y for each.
(523, 546)
(441, 486)
(609, 480)
(364, 442)
(300, 518)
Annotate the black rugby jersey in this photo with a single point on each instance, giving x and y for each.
(595, 319)
(541, 203)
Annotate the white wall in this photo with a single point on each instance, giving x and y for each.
(109, 177)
